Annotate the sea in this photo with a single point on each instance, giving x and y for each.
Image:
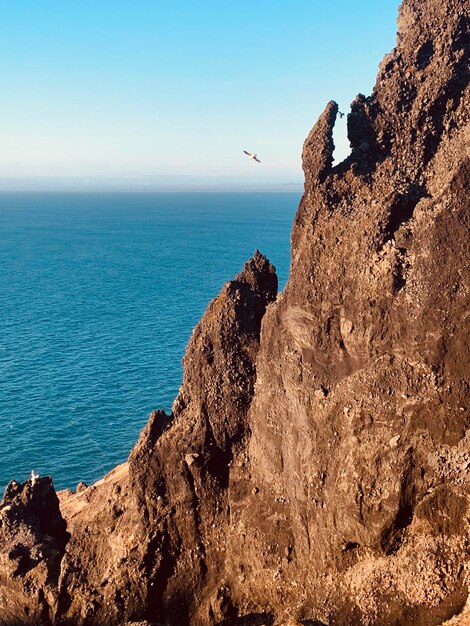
(99, 293)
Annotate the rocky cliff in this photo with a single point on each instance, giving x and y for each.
(315, 468)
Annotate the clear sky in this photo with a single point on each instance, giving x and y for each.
(149, 94)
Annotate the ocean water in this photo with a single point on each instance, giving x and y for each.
(98, 297)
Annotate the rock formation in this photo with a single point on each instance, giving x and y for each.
(33, 537)
(315, 468)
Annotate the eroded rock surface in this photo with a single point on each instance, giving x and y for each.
(316, 465)
(33, 537)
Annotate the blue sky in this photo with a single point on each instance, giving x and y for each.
(140, 94)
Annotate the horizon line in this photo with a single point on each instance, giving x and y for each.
(151, 191)
(294, 188)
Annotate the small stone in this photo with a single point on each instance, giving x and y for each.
(190, 458)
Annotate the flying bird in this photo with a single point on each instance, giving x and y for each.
(341, 114)
(252, 156)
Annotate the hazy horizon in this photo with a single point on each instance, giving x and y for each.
(196, 188)
(156, 96)
(183, 184)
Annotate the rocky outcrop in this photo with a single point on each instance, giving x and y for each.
(315, 468)
(33, 537)
(361, 412)
(183, 490)
(143, 537)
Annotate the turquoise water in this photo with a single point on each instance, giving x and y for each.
(98, 297)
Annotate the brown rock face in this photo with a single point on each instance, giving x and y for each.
(362, 375)
(315, 468)
(32, 544)
(184, 496)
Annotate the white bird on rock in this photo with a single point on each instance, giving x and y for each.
(34, 477)
(252, 156)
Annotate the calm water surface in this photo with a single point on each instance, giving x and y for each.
(98, 297)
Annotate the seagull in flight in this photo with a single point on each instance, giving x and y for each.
(252, 156)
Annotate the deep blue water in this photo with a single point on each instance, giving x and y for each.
(98, 297)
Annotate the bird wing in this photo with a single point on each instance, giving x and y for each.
(256, 159)
(248, 153)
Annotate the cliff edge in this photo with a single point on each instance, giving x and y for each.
(315, 468)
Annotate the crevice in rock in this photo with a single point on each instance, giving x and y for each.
(399, 272)
(46, 609)
(158, 575)
(424, 55)
(195, 500)
(392, 538)
(402, 209)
